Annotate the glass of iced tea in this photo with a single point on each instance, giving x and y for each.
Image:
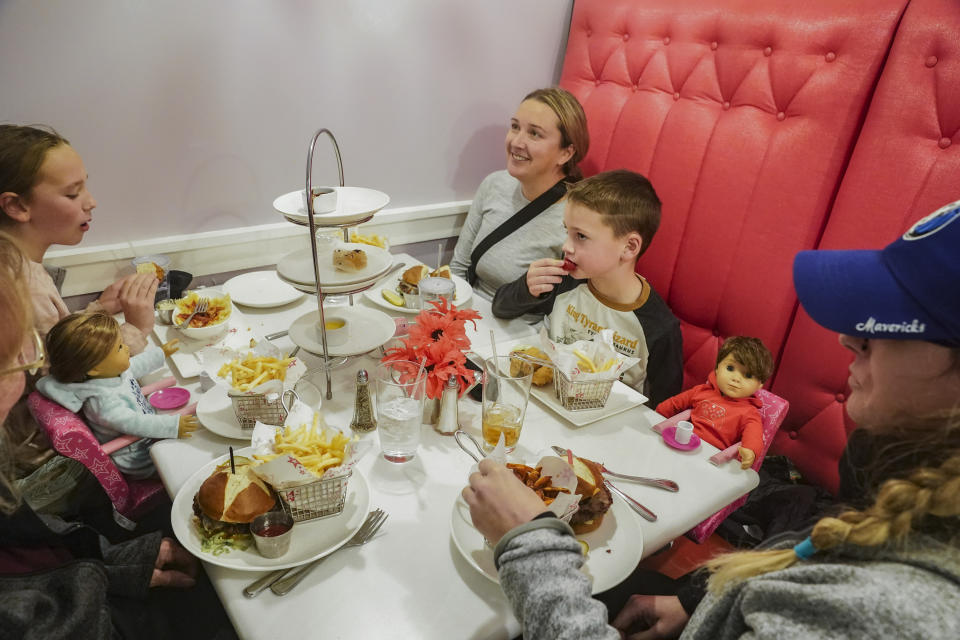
(506, 390)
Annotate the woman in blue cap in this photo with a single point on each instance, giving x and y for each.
(887, 566)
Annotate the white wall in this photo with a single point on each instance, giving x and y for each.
(192, 115)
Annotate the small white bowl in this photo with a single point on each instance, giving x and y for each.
(211, 330)
(338, 330)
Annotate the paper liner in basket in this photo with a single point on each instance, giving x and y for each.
(599, 350)
(285, 471)
(213, 358)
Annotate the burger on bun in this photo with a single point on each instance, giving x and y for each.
(411, 278)
(226, 504)
(596, 499)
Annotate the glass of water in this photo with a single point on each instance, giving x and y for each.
(401, 387)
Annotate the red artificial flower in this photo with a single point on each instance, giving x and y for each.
(438, 339)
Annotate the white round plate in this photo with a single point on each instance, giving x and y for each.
(298, 266)
(620, 534)
(312, 539)
(327, 290)
(353, 204)
(369, 329)
(461, 296)
(260, 289)
(215, 412)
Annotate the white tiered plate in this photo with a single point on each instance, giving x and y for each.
(353, 205)
(297, 267)
(369, 329)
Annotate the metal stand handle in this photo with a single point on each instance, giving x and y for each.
(313, 241)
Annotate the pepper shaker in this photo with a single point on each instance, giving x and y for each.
(447, 422)
(363, 420)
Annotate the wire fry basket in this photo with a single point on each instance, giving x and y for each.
(580, 395)
(320, 499)
(266, 408)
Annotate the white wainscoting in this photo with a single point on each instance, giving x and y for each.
(90, 269)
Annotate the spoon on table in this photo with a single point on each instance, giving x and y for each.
(660, 483)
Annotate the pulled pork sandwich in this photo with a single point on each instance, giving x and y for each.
(226, 504)
(596, 499)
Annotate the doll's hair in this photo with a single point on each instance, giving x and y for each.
(924, 499)
(625, 200)
(80, 342)
(22, 152)
(573, 125)
(750, 353)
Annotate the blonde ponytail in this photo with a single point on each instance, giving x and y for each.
(900, 506)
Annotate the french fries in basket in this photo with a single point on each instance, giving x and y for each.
(314, 446)
(252, 370)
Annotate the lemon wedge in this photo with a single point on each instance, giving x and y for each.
(392, 297)
(584, 546)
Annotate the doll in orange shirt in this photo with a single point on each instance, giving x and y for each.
(725, 410)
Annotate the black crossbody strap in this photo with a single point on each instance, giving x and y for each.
(534, 208)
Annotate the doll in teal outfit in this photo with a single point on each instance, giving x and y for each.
(91, 369)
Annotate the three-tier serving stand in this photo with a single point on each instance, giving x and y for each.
(315, 222)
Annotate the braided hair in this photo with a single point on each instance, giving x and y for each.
(924, 500)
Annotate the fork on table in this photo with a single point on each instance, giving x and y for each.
(283, 581)
(202, 305)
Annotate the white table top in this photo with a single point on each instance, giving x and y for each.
(411, 581)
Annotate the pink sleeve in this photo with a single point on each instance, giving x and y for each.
(48, 306)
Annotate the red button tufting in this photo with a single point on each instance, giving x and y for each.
(931, 61)
(831, 56)
(716, 333)
(676, 96)
(713, 45)
(636, 87)
(666, 40)
(793, 435)
(841, 397)
(767, 51)
(597, 83)
(781, 115)
(726, 105)
(945, 142)
(626, 37)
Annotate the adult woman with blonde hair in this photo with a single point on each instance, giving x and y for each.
(61, 579)
(886, 567)
(517, 214)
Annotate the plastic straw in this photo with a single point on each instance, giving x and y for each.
(493, 346)
(233, 468)
(423, 364)
(439, 255)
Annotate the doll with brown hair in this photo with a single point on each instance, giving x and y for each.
(91, 369)
(725, 410)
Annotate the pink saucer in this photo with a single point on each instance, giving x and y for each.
(668, 434)
(170, 398)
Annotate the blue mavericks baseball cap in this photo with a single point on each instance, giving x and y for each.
(909, 290)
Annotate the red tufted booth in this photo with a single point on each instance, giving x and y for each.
(767, 128)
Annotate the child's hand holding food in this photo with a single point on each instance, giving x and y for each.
(170, 348)
(543, 275)
(188, 424)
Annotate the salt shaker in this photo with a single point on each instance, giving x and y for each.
(447, 422)
(363, 420)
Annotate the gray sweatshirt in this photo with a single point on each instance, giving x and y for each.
(851, 592)
(497, 199)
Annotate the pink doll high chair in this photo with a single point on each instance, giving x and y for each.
(72, 438)
(772, 413)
